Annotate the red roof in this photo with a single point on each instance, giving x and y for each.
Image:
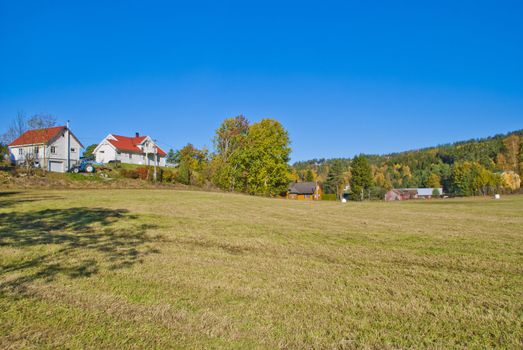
(130, 144)
(37, 136)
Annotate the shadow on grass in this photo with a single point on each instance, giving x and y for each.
(8, 193)
(73, 242)
(12, 198)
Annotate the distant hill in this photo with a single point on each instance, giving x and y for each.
(425, 167)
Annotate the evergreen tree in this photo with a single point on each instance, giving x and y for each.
(336, 178)
(361, 177)
(171, 156)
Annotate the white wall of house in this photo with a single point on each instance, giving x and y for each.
(55, 152)
(138, 159)
(106, 153)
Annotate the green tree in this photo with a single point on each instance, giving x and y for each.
(230, 136)
(171, 156)
(361, 177)
(472, 178)
(88, 153)
(309, 176)
(191, 164)
(4, 151)
(262, 162)
(460, 179)
(229, 140)
(336, 178)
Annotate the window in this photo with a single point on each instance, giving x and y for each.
(20, 151)
(130, 155)
(102, 151)
(36, 150)
(53, 149)
(73, 150)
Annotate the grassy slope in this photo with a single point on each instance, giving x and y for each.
(159, 268)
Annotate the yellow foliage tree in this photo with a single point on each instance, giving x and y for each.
(511, 180)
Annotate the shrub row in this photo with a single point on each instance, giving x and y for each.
(147, 173)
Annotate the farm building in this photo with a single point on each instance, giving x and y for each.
(401, 194)
(139, 149)
(304, 191)
(55, 149)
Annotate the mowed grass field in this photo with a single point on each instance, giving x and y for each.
(135, 269)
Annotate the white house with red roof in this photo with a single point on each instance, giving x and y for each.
(56, 149)
(140, 150)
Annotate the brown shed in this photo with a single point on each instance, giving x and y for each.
(304, 191)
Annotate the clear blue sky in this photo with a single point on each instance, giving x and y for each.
(343, 77)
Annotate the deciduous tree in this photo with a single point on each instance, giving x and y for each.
(88, 153)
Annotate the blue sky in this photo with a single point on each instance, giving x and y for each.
(343, 77)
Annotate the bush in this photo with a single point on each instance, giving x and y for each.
(129, 174)
(144, 173)
(167, 176)
(329, 197)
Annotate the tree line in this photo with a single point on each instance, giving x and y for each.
(254, 158)
(474, 167)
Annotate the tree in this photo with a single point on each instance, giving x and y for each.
(88, 153)
(361, 177)
(434, 181)
(511, 144)
(309, 176)
(262, 161)
(435, 192)
(41, 121)
(171, 157)
(18, 127)
(230, 137)
(191, 162)
(4, 151)
(472, 178)
(336, 179)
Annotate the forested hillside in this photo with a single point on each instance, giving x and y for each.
(470, 167)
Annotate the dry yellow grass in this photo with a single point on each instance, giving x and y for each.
(172, 269)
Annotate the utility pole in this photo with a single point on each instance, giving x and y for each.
(68, 148)
(155, 160)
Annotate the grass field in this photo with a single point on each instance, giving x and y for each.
(172, 269)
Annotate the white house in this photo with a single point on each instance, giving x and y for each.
(56, 149)
(131, 150)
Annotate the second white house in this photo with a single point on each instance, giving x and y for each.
(131, 150)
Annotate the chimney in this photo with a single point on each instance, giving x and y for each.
(137, 134)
